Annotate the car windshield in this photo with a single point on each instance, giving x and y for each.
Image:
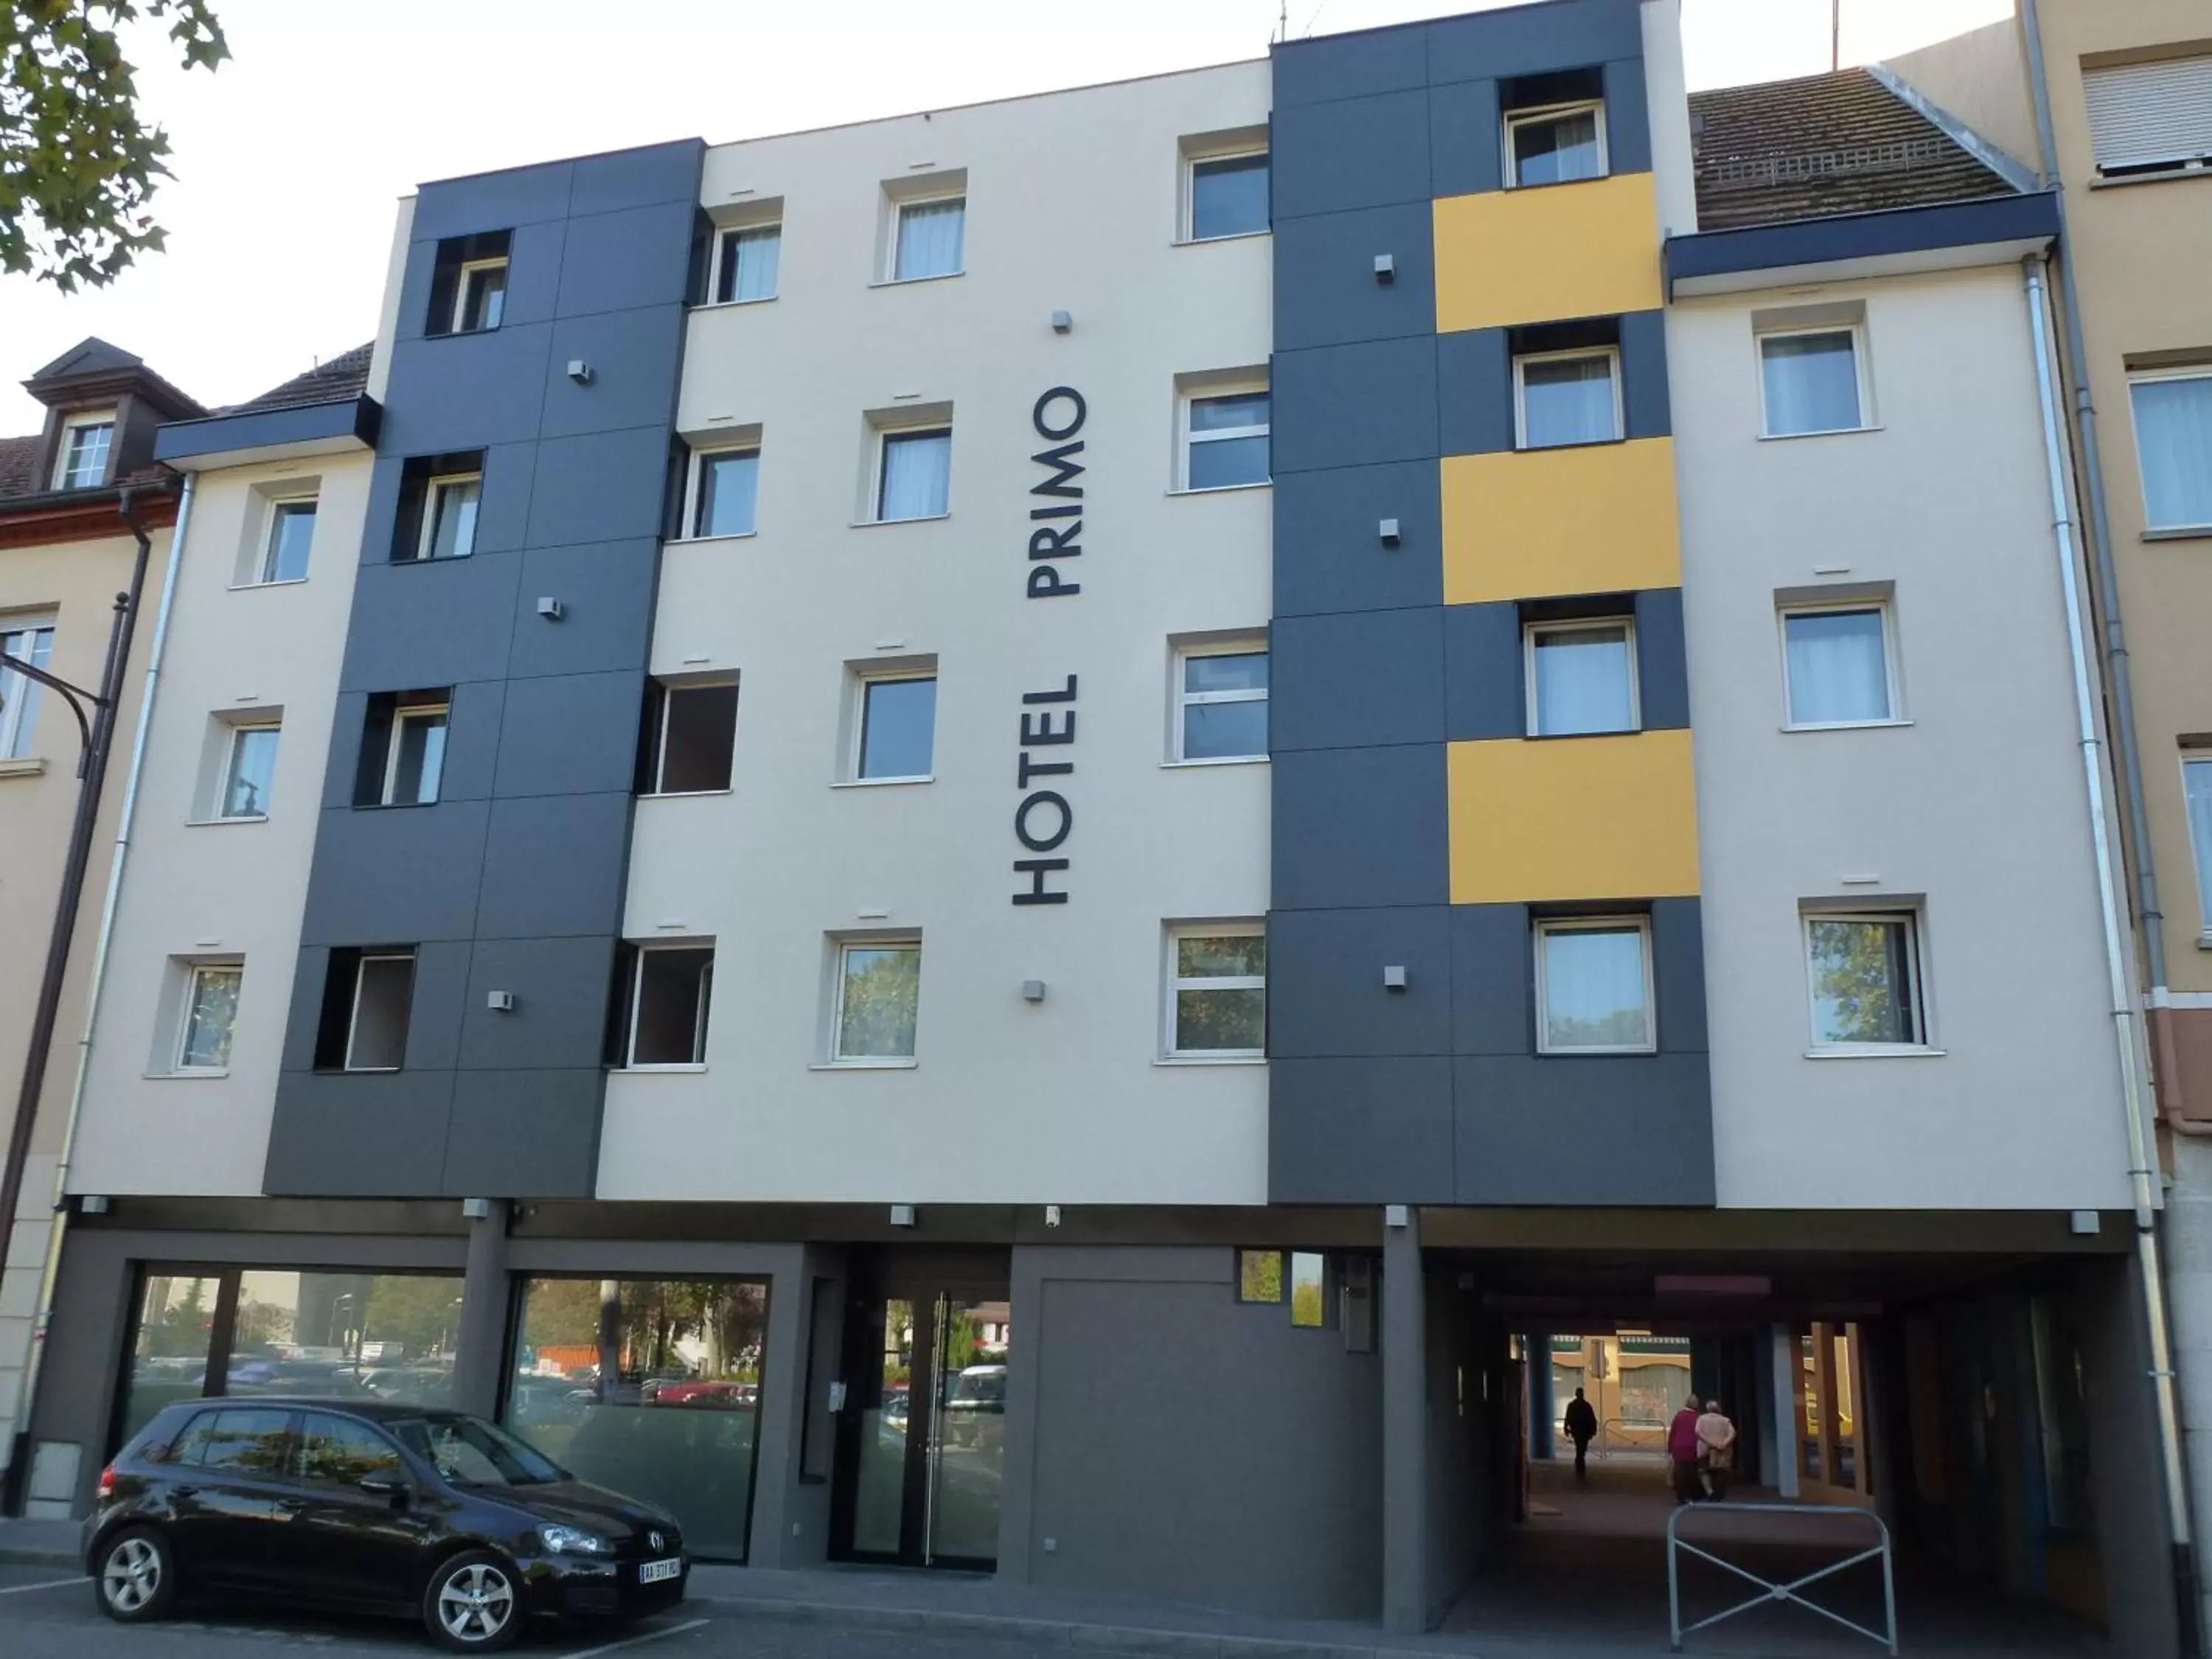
(470, 1452)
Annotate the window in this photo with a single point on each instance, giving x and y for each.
(667, 991)
(914, 475)
(366, 998)
(31, 643)
(896, 734)
(248, 771)
(481, 299)
(291, 537)
(449, 516)
(1260, 1276)
(1226, 440)
(1593, 986)
(878, 1001)
(1228, 196)
(1221, 702)
(1555, 145)
(246, 1440)
(336, 1451)
(2197, 790)
(2173, 447)
(1582, 678)
(1217, 991)
(927, 241)
(725, 490)
(1308, 1290)
(1836, 664)
(1563, 397)
(2150, 117)
(81, 462)
(745, 264)
(690, 738)
(211, 1009)
(414, 755)
(1865, 974)
(1809, 382)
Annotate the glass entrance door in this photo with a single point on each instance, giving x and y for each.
(921, 1441)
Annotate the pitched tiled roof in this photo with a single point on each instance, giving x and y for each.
(1821, 145)
(18, 456)
(344, 376)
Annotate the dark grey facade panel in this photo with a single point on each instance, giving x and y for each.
(431, 623)
(298, 1053)
(1357, 679)
(1678, 969)
(565, 735)
(434, 1024)
(1354, 405)
(1861, 236)
(1329, 551)
(1466, 134)
(635, 178)
(559, 987)
(606, 592)
(487, 201)
(491, 389)
(396, 875)
(1327, 292)
(632, 357)
(554, 866)
(1369, 1131)
(1475, 391)
(1643, 396)
(1533, 39)
(356, 1134)
(604, 487)
(1326, 996)
(1662, 669)
(629, 259)
(1493, 979)
(1486, 682)
(523, 1133)
(1350, 153)
(1622, 1129)
(1357, 65)
(1360, 827)
(357, 418)
(1627, 115)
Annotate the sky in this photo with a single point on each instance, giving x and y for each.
(290, 160)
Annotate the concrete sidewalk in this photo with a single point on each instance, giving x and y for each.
(39, 1543)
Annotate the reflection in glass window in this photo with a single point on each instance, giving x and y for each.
(1557, 146)
(382, 1336)
(1259, 1275)
(169, 1346)
(248, 1441)
(1224, 715)
(1866, 980)
(898, 727)
(729, 490)
(251, 769)
(651, 1387)
(291, 538)
(337, 1451)
(1217, 993)
(1308, 1289)
(1593, 988)
(878, 1000)
(210, 1010)
(1228, 196)
(1228, 442)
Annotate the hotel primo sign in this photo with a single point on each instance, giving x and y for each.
(1043, 819)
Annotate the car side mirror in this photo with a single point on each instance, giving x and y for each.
(384, 1485)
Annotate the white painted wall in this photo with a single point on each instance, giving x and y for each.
(239, 886)
(1073, 205)
(1978, 803)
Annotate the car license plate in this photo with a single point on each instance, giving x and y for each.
(654, 1572)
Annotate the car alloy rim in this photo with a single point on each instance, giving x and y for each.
(475, 1604)
(133, 1573)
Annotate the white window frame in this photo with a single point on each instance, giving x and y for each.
(885, 435)
(694, 487)
(1915, 968)
(726, 238)
(1550, 925)
(856, 743)
(838, 1059)
(353, 1016)
(1191, 163)
(2191, 757)
(265, 572)
(660, 743)
(436, 485)
(73, 424)
(393, 743)
(1174, 984)
(1180, 699)
(1531, 632)
(1547, 112)
(2190, 372)
(1857, 329)
(1186, 438)
(899, 207)
(194, 973)
(1611, 354)
(1884, 604)
(15, 737)
(701, 1012)
(230, 770)
(470, 269)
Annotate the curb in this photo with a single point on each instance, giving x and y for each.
(1007, 1627)
(29, 1555)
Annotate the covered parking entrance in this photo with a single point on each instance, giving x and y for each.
(1978, 1383)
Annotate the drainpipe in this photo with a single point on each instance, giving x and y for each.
(19, 1471)
(2140, 1173)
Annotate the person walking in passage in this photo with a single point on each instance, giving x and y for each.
(1682, 1452)
(1717, 1449)
(1582, 1429)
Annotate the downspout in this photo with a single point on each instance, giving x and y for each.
(50, 1275)
(2141, 1174)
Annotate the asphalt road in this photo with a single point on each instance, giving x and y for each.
(46, 1614)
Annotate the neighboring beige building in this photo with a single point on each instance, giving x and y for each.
(68, 497)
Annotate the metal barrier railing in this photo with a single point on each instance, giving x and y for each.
(1771, 1590)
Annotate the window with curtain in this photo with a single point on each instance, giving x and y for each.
(1593, 986)
(1581, 679)
(1836, 664)
(2197, 789)
(915, 477)
(1865, 973)
(2173, 447)
(930, 234)
(1568, 399)
(1811, 382)
(1557, 146)
(750, 259)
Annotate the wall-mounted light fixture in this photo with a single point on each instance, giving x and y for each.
(580, 371)
(1386, 268)
(1032, 990)
(1387, 529)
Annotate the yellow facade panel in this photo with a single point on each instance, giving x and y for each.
(1559, 819)
(1530, 524)
(1508, 256)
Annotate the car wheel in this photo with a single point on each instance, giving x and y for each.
(474, 1604)
(137, 1578)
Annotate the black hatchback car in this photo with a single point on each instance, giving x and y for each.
(370, 1506)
